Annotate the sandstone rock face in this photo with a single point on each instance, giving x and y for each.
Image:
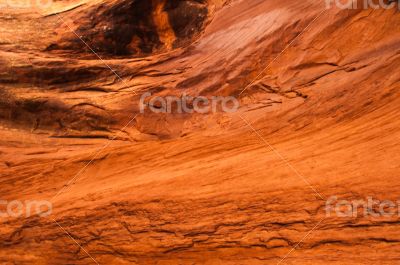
(316, 131)
(134, 27)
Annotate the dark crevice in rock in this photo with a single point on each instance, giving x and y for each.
(137, 28)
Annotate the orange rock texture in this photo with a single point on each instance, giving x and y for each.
(318, 123)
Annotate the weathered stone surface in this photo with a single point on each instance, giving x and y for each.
(321, 89)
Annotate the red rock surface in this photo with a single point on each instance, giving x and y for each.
(318, 117)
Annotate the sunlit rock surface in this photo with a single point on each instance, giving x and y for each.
(319, 117)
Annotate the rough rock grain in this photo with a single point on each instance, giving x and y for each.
(319, 117)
